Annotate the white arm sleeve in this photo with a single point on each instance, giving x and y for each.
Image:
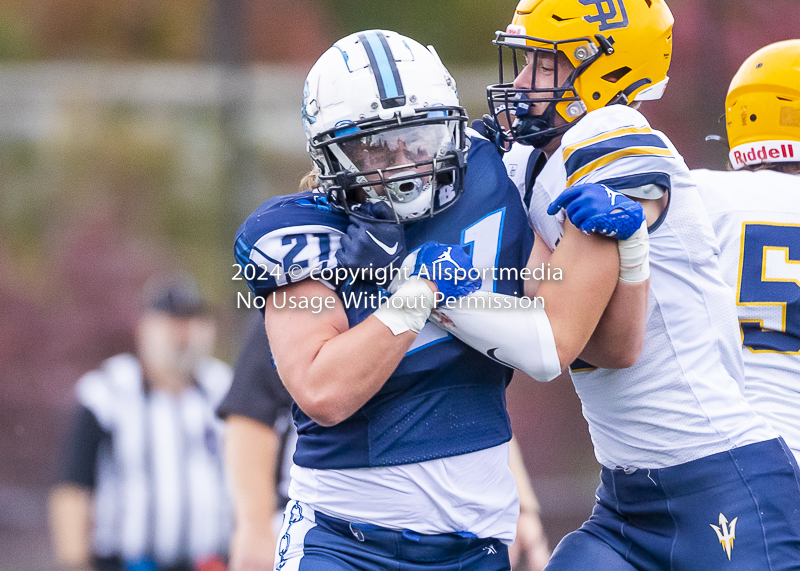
(499, 326)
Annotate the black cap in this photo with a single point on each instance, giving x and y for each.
(176, 295)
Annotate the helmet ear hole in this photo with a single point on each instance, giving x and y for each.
(445, 178)
(617, 74)
(649, 3)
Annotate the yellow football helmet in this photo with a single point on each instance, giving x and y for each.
(620, 51)
(762, 109)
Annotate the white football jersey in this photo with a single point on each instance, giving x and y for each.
(516, 161)
(756, 216)
(682, 400)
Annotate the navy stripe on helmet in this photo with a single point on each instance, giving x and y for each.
(381, 60)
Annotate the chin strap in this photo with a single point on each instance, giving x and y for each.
(541, 134)
(623, 97)
(488, 128)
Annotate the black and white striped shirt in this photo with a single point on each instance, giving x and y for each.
(154, 462)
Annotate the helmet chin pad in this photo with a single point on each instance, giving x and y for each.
(406, 190)
(534, 131)
(424, 202)
(408, 197)
(414, 198)
(531, 129)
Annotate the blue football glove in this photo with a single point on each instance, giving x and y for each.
(448, 267)
(596, 208)
(380, 244)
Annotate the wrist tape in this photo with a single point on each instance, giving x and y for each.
(408, 309)
(634, 256)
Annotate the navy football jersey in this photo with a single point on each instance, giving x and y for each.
(444, 398)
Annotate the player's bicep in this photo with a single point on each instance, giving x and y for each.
(618, 339)
(300, 318)
(589, 266)
(540, 255)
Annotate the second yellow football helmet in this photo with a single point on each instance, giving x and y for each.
(762, 109)
(620, 51)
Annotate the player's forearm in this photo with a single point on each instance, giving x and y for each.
(574, 304)
(542, 341)
(500, 327)
(251, 452)
(70, 517)
(527, 497)
(330, 369)
(531, 538)
(619, 337)
(252, 549)
(346, 371)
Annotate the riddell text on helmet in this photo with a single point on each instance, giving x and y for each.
(760, 152)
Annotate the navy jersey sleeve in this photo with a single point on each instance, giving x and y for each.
(256, 391)
(288, 239)
(79, 463)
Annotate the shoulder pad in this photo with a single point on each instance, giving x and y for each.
(286, 240)
(616, 146)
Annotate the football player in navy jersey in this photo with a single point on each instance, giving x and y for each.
(402, 451)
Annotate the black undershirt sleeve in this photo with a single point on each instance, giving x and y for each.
(256, 391)
(79, 464)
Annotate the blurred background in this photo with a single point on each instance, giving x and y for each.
(135, 136)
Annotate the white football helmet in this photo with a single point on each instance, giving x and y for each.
(383, 123)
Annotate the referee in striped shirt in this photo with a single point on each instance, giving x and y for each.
(141, 485)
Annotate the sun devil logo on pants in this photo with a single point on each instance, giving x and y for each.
(607, 12)
(725, 534)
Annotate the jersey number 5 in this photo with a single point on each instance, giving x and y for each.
(769, 277)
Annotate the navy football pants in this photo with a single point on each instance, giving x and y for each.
(735, 511)
(312, 541)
